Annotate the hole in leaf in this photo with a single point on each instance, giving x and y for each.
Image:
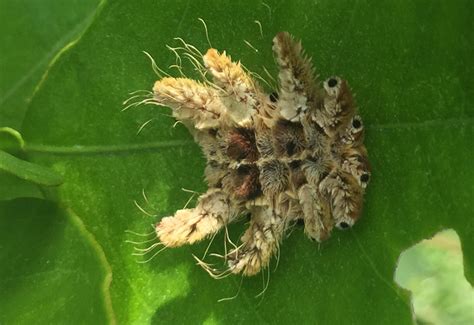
(433, 271)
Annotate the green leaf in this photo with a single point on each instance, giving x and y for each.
(14, 187)
(28, 171)
(50, 270)
(409, 63)
(11, 139)
(33, 31)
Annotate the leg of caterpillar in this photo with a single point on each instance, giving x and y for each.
(240, 90)
(317, 215)
(191, 101)
(230, 76)
(289, 207)
(298, 88)
(354, 161)
(353, 153)
(259, 242)
(345, 197)
(213, 211)
(337, 108)
(354, 133)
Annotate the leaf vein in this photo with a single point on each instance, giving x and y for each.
(90, 238)
(105, 149)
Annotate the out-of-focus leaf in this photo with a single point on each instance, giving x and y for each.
(12, 187)
(433, 271)
(33, 31)
(50, 270)
(30, 172)
(11, 139)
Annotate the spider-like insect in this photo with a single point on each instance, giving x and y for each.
(294, 154)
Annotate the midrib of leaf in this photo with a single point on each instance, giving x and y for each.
(150, 146)
(452, 122)
(106, 149)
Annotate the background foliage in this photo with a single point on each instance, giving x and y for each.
(434, 273)
(63, 253)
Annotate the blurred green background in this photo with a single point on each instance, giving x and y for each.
(66, 67)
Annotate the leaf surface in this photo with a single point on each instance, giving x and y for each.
(50, 270)
(33, 31)
(28, 171)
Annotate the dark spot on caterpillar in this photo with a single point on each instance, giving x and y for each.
(274, 97)
(290, 148)
(356, 123)
(364, 178)
(332, 82)
(295, 164)
(213, 132)
(343, 225)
